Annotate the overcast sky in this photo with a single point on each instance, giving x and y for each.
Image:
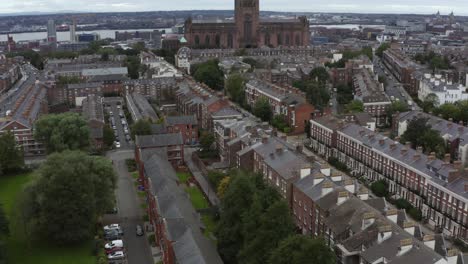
(356, 6)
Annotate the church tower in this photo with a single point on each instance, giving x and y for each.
(247, 18)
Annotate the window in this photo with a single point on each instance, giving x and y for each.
(207, 40)
(197, 40)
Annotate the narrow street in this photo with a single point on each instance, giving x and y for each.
(129, 211)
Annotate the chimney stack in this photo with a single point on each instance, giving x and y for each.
(447, 158)
(264, 139)
(363, 194)
(419, 149)
(404, 150)
(318, 178)
(381, 141)
(392, 215)
(367, 220)
(336, 176)
(385, 232)
(409, 227)
(342, 197)
(452, 256)
(405, 246)
(429, 241)
(327, 187)
(349, 186)
(279, 148)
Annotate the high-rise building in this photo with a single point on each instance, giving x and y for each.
(51, 31)
(73, 31)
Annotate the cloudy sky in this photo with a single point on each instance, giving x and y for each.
(368, 6)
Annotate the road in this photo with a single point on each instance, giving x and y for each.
(129, 211)
(393, 87)
(30, 74)
(124, 144)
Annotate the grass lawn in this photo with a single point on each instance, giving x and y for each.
(209, 223)
(183, 176)
(24, 251)
(197, 198)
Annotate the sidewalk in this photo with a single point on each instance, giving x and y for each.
(205, 185)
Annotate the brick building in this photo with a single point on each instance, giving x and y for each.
(10, 73)
(93, 112)
(287, 101)
(435, 187)
(172, 145)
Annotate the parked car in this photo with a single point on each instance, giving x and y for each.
(114, 245)
(117, 144)
(139, 230)
(113, 227)
(112, 235)
(116, 255)
(123, 122)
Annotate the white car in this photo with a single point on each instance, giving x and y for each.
(111, 226)
(116, 255)
(114, 244)
(117, 144)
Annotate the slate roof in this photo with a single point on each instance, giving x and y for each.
(181, 120)
(158, 129)
(161, 140)
(105, 71)
(436, 169)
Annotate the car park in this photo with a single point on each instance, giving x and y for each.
(116, 255)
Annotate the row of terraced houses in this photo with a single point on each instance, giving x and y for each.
(438, 188)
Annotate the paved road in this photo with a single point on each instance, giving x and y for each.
(124, 144)
(207, 189)
(130, 212)
(393, 87)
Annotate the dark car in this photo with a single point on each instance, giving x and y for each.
(112, 235)
(139, 230)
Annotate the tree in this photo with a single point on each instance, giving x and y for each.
(383, 47)
(368, 52)
(108, 136)
(63, 131)
(448, 111)
(210, 74)
(430, 103)
(206, 141)
(274, 225)
(420, 134)
(235, 88)
(237, 198)
(133, 65)
(141, 128)
(215, 176)
(222, 186)
(279, 122)
(252, 62)
(380, 188)
(11, 155)
(299, 249)
(396, 107)
(344, 94)
(71, 192)
(355, 106)
(4, 232)
(319, 74)
(316, 93)
(262, 109)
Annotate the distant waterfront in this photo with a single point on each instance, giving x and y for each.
(349, 26)
(65, 35)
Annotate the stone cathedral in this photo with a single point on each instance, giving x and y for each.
(247, 30)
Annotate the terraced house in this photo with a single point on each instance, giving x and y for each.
(436, 187)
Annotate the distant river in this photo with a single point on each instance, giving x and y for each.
(65, 36)
(350, 26)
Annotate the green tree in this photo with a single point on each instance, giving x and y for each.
(316, 94)
(299, 249)
(383, 47)
(396, 107)
(210, 74)
(141, 128)
(206, 141)
(355, 106)
(344, 94)
(320, 74)
(133, 65)
(279, 121)
(222, 186)
(430, 103)
(237, 198)
(253, 63)
(108, 136)
(368, 52)
(275, 225)
(63, 131)
(448, 111)
(419, 133)
(262, 109)
(380, 188)
(235, 88)
(63, 216)
(11, 155)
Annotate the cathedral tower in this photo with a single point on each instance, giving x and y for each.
(247, 16)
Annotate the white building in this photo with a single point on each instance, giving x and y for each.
(446, 91)
(182, 59)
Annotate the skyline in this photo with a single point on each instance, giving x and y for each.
(340, 6)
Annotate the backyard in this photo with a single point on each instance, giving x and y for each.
(20, 248)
